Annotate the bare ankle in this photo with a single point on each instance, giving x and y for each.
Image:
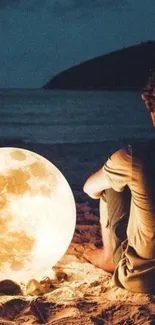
(100, 258)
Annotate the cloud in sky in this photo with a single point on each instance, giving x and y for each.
(42, 38)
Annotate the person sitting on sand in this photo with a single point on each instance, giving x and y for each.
(125, 186)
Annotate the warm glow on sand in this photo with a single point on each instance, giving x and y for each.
(37, 215)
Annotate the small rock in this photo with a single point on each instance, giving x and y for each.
(10, 288)
(33, 288)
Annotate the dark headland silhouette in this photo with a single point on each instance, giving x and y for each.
(125, 69)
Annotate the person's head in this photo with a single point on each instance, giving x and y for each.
(148, 96)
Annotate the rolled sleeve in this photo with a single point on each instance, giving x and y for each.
(118, 169)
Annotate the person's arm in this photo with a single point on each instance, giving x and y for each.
(116, 173)
(96, 184)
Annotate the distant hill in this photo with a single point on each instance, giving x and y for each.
(125, 69)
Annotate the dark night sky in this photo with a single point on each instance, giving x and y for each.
(41, 38)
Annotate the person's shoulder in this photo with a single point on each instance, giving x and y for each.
(135, 148)
(123, 154)
(125, 151)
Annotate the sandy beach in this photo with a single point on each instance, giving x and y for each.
(76, 292)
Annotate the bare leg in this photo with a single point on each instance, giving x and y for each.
(114, 215)
(103, 257)
(99, 258)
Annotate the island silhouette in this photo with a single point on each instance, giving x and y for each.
(124, 69)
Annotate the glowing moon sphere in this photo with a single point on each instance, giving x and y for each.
(37, 215)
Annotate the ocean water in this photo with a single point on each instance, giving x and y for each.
(76, 130)
(43, 116)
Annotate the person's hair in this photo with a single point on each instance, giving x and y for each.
(148, 93)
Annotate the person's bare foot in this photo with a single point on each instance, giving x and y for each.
(97, 257)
